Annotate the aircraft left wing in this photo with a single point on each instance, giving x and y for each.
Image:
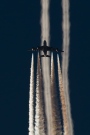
(33, 49)
(39, 48)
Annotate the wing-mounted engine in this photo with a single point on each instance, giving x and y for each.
(34, 49)
(56, 49)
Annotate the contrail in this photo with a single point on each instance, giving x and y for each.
(47, 92)
(56, 121)
(43, 123)
(45, 28)
(63, 101)
(37, 109)
(31, 99)
(65, 59)
(40, 118)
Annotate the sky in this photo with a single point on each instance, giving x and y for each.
(19, 31)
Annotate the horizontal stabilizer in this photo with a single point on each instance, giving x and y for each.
(42, 56)
(45, 56)
(48, 56)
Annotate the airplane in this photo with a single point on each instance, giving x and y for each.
(45, 48)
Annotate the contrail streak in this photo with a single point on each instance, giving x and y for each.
(63, 102)
(65, 59)
(56, 121)
(45, 28)
(37, 109)
(40, 118)
(47, 92)
(31, 99)
(42, 104)
(45, 61)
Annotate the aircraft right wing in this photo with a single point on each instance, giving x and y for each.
(53, 49)
(49, 48)
(56, 49)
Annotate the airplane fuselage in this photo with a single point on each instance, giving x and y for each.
(45, 48)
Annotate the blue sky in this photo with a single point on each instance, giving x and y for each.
(19, 31)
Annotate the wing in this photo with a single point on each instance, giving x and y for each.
(33, 49)
(49, 48)
(53, 49)
(56, 50)
(40, 48)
